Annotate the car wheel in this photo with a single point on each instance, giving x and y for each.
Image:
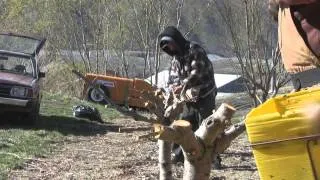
(33, 116)
(95, 96)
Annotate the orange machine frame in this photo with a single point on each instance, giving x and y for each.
(122, 91)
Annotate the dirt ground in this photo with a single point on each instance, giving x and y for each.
(115, 155)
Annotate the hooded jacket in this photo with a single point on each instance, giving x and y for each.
(190, 65)
(173, 34)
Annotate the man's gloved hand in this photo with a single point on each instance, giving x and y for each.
(192, 94)
(177, 89)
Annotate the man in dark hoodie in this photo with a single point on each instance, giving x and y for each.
(192, 73)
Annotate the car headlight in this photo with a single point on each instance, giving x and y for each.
(21, 92)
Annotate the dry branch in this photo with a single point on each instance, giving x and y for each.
(132, 129)
(157, 97)
(152, 108)
(172, 109)
(165, 160)
(155, 102)
(223, 142)
(165, 107)
(201, 147)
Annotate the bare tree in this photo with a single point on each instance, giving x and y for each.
(143, 26)
(162, 16)
(180, 4)
(150, 18)
(254, 43)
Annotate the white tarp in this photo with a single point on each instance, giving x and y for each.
(221, 79)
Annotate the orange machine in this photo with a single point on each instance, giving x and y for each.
(122, 91)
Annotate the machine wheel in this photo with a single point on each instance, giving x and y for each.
(95, 96)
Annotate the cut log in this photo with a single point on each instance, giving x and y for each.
(201, 147)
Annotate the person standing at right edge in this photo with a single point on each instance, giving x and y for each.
(299, 43)
(299, 39)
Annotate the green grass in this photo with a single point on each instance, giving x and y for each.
(56, 104)
(19, 143)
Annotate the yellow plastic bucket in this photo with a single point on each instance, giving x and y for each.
(285, 145)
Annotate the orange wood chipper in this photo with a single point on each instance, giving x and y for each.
(122, 91)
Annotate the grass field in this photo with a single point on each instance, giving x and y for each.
(19, 144)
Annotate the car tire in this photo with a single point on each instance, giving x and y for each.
(33, 116)
(95, 97)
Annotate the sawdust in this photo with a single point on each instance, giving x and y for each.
(115, 155)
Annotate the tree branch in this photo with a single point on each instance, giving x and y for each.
(228, 136)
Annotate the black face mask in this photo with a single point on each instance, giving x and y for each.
(164, 46)
(170, 52)
(173, 35)
(164, 43)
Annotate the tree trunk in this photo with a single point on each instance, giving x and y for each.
(201, 147)
(165, 165)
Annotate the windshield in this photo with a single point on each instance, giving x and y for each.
(18, 44)
(17, 65)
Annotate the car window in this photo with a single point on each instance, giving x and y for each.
(17, 65)
(18, 44)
